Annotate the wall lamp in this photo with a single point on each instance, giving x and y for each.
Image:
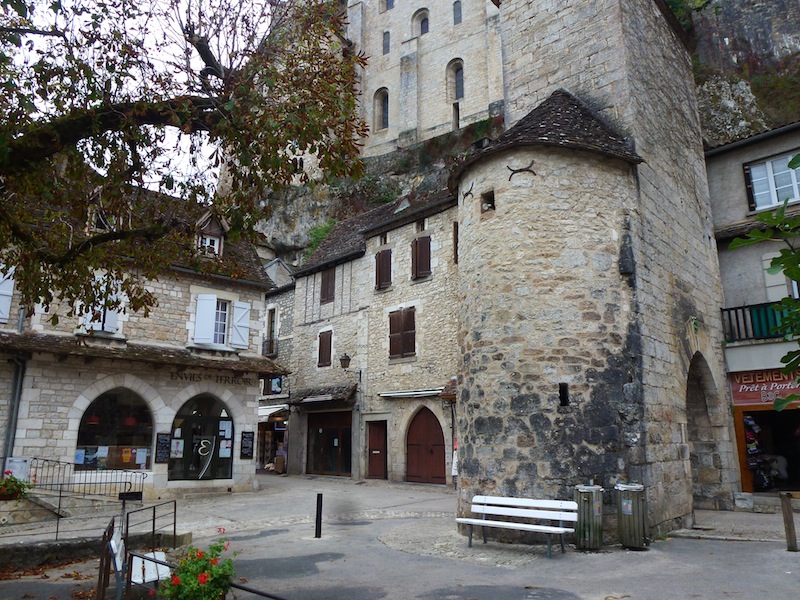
(344, 360)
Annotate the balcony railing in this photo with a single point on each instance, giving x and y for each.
(269, 347)
(753, 322)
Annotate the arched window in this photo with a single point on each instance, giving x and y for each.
(458, 76)
(381, 109)
(202, 440)
(455, 80)
(386, 42)
(116, 432)
(420, 24)
(456, 12)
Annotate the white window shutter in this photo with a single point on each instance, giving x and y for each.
(204, 319)
(240, 329)
(6, 292)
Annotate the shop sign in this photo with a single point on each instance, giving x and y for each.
(761, 387)
(223, 379)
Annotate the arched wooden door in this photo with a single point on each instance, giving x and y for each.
(425, 449)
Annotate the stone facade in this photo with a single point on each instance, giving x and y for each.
(66, 371)
(388, 390)
(416, 71)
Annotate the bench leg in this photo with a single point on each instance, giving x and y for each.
(549, 545)
(469, 545)
(563, 550)
(483, 531)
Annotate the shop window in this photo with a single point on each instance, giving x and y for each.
(202, 441)
(116, 432)
(222, 322)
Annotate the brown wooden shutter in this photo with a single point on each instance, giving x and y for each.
(748, 184)
(420, 257)
(396, 334)
(409, 333)
(383, 269)
(328, 286)
(325, 338)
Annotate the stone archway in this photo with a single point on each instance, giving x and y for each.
(704, 437)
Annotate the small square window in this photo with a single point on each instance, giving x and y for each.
(487, 202)
(209, 244)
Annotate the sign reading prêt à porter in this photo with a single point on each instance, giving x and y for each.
(223, 379)
(761, 387)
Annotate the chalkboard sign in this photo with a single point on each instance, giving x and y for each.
(162, 447)
(248, 438)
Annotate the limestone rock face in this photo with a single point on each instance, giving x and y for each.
(728, 111)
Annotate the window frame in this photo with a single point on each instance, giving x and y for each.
(769, 179)
(236, 334)
(402, 333)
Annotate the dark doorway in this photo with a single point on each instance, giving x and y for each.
(329, 443)
(425, 449)
(376, 450)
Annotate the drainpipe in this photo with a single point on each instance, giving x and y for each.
(16, 395)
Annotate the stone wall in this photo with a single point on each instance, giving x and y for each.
(545, 324)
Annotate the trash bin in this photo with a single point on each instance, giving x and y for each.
(589, 529)
(632, 515)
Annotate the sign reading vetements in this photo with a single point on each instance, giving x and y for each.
(761, 387)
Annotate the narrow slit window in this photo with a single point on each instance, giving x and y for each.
(563, 394)
(487, 202)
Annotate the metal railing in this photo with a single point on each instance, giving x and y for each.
(269, 347)
(753, 322)
(47, 474)
(158, 518)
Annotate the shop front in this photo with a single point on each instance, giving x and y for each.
(768, 441)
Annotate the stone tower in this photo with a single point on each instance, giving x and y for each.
(590, 318)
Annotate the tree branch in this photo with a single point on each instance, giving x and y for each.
(188, 113)
(31, 31)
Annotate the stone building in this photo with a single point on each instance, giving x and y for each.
(584, 292)
(374, 341)
(745, 178)
(173, 395)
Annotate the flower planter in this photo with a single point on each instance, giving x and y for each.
(12, 496)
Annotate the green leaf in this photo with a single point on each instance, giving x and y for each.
(782, 403)
(795, 162)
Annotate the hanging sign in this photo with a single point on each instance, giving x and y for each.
(246, 449)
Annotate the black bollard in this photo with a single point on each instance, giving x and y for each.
(318, 528)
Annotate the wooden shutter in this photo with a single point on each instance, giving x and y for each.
(328, 286)
(396, 334)
(748, 184)
(383, 269)
(240, 325)
(421, 257)
(6, 292)
(324, 358)
(204, 319)
(409, 333)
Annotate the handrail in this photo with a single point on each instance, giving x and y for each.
(154, 521)
(48, 474)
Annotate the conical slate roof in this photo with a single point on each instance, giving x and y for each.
(561, 120)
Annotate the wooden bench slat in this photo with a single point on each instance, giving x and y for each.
(521, 526)
(526, 513)
(526, 502)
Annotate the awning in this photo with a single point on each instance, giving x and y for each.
(264, 412)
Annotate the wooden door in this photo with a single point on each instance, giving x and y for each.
(376, 450)
(425, 449)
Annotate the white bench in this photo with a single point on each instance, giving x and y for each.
(524, 514)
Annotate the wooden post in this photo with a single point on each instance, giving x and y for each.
(788, 521)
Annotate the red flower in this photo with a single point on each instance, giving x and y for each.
(7, 473)
(199, 554)
(203, 578)
(220, 530)
(227, 545)
(152, 593)
(214, 561)
(176, 580)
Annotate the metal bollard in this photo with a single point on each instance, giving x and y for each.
(318, 528)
